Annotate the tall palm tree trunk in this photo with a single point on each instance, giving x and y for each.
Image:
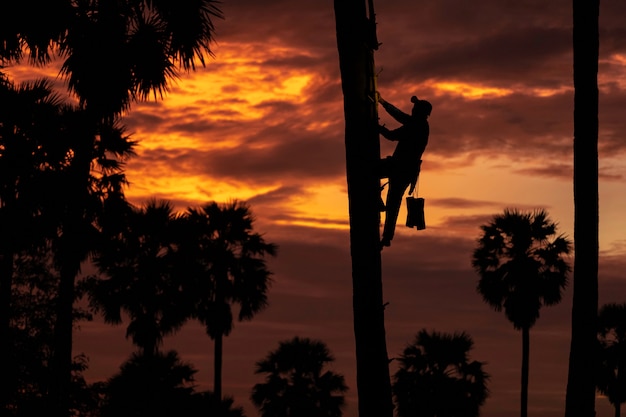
(71, 247)
(580, 397)
(525, 370)
(217, 366)
(62, 359)
(618, 410)
(6, 278)
(354, 41)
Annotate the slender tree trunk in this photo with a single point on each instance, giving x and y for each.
(62, 359)
(525, 371)
(6, 275)
(580, 397)
(355, 35)
(618, 410)
(71, 252)
(217, 366)
(7, 253)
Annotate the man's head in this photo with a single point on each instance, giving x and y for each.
(421, 108)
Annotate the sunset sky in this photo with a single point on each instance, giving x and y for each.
(263, 123)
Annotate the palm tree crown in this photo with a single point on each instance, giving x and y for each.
(436, 377)
(140, 277)
(232, 268)
(520, 268)
(295, 384)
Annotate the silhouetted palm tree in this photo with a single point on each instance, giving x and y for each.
(36, 141)
(437, 379)
(230, 269)
(33, 28)
(24, 144)
(31, 128)
(521, 265)
(611, 376)
(158, 385)
(136, 46)
(581, 392)
(91, 180)
(295, 383)
(140, 277)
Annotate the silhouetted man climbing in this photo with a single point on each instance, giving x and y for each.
(403, 167)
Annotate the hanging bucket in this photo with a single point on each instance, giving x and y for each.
(415, 213)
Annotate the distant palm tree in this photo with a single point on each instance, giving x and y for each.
(521, 265)
(230, 269)
(611, 377)
(295, 384)
(140, 277)
(158, 385)
(437, 379)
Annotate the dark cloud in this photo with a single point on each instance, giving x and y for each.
(501, 59)
(303, 24)
(460, 203)
(294, 154)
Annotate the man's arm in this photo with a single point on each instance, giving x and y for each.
(389, 134)
(394, 112)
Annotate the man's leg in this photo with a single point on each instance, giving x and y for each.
(394, 200)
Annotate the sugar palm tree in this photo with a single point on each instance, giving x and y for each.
(91, 180)
(611, 376)
(296, 384)
(158, 385)
(437, 378)
(32, 145)
(230, 270)
(25, 147)
(140, 277)
(521, 265)
(137, 45)
(356, 44)
(37, 136)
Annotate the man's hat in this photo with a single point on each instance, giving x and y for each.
(421, 106)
